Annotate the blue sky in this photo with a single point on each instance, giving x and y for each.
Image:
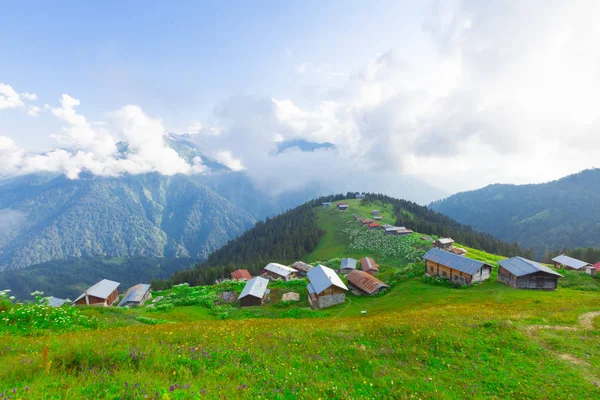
(454, 93)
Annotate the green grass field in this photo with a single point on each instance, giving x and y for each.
(418, 340)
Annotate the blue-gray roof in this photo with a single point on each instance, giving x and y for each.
(459, 263)
(56, 302)
(256, 287)
(102, 290)
(348, 263)
(519, 266)
(135, 294)
(570, 262)
(322, 277)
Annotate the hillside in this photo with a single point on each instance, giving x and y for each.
(295, 235)
(545, 217)
(419, 339)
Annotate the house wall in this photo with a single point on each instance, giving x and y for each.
(249, 301)
(443, 271)
(536, 281)
(272, 275)
(447, 246)
(329, 297)
(97, 301)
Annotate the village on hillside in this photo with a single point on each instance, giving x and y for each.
(327, 286)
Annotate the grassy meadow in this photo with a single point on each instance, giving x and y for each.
(419, 340)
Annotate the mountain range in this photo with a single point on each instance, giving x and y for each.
(545, 217)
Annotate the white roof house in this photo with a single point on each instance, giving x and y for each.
(101, 290)
(322, 277)
(445, 241)
(570, 262)
(255, 287)
(279, 269)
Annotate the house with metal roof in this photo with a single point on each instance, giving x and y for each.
(366, 221)
(325, 289)
(403, 232)
(301, 267)
(444, 243)
(522, 273)
(56, 302)
(241, 275)
(278, 271)
(255, 292)
(136, 296)
(566, 262)
(368, 265)
(378, 218)
(103, 293)
(373, 226)
(347, 265)
(455, 268)
(326, 204)
(363, 283)
(458, 251)
(342, 206)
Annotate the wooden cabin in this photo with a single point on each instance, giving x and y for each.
(455, 268)
(522, 273)
(325, 289)
(255, 292)
(342, 206)
(378, 218)
(241, 275)
(566, 262)
(364, 283)
(375, 212)
(278, 271)
(444, 243)
(327, 204)
(136, 296)
(366, 221)
(369, 266)
(403, 232)
(301, 267)
(373, 226)
(459, 251)
(347, 265)
(103, 293)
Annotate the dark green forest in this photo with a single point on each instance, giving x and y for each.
(68, 278)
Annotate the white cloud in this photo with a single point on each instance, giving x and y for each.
(9, 98)
(29, 96)
(33, 111)
(226, 158)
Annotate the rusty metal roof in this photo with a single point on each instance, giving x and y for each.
(241, 274)
(365, 282)
(302, 266)
(368, 264)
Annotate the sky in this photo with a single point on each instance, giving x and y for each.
(454, 94)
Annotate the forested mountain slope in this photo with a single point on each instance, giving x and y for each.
(545, 217)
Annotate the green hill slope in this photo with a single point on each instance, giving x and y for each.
(545, 217)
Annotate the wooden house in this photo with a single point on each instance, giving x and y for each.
(373, 226)
(301, 267)
(325, 289)
(241, 275)
(342, 206)
(378, 218)
(403, 232)
(347, 265)
(136, 296)
(103, 293)
(364, 283)
(278, 271)
(375, 212)
(566, 262)
(368, 265)
(366, 222)
(255, 292)
(444, 243)
(521, 273)
(455, 268)
(326, 204)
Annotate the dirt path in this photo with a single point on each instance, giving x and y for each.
(586, 322)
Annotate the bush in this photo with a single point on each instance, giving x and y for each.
(439, 281)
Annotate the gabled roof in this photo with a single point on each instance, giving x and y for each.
(597, 266)
(135, 294)
(321, 278)
(348, 263)
(366, 221)
(302, 266)
(373, 225)
(241, 274)
(365, 281)
(519, 266)
(459, 263)
(445, 240)
(101, 290)
(279, 269)
(56, 302)
(368, 264)
(570, 262)
(255, 287)
(404, 230)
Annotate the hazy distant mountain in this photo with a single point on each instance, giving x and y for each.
(303, 145)
(548, 216)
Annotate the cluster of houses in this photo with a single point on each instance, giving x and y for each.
(325, 287)
(105, 293)
(517, 272)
